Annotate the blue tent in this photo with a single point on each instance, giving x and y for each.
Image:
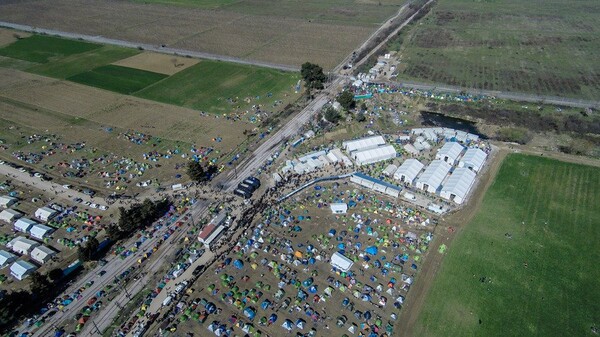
(238, 264)
(297, 229)
(341, 246)
(307, 282)
(332, 232)
(210, 307)
(367, 315)
(312, 289)
(250, 313)
(265, 304)
(273, 318)
(371, 250)
(312, 260)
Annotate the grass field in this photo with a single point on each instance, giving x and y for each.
(527, 264)
(42, 49)
(118, 79)
(221, 87)
(539, 46)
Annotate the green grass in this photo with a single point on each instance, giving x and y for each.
(78, 63)
(546, 47)
(43, 49)
(118, 79)
(221, 87)
(204, 4)
(541, 282)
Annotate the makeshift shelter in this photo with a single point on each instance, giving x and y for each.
(42, 254)
(21, 269)
(431, 180)
(24, 225)
(7, 201)
(473, 159)
(458, 185)
(339, 208)
(450, 152)
(10, 215)
(40, 231)
(45, 213)
(408, 171)
(341, 262)
(6, 258)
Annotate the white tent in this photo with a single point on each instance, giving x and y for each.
(7, 201)
(339, 208)
(6, 258)
(408, 171)
(40, 231)
(434, 174)
(22, 245)
(473, 159)
(45, 213)
(341, 262)
(336, 155)
(10, 215)
(411, 149)
(374, 154)
(42, 254)
(24, 225)
(21, 269)
(363, 143)
(450, 152)
(390, 169)
(458, 185)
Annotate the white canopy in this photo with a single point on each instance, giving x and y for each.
(341, 262)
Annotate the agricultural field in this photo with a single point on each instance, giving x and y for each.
(42, 49)
(222, 87)
(118, 79)
(158, 63)
(283, 32)
(526, 265)
(539, 47)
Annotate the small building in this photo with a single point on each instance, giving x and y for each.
(390, 169)
(373, 154)
(336, 156)
(42, 254)
(214, 236)
(206, 232)
(219, 219)
(450, 152)
(363, 143)
(375, 184)
(340, 262)
(408, 171)
(24, 225)
(458, 185)
(431, 180)
(10, 215)
(339, 208)
(7, 201)
(40, 232)
(473, 159)
(22, 245)
(6, 258)
(21, 269)
(411, 149)
(45, 213)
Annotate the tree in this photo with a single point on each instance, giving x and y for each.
(196, 171)
(313, 75)
(55, 274)
(87, 251)
(360, 117)
(15, 305)
(363, 106)
(346, 100)
(331, 115)
(39, 284)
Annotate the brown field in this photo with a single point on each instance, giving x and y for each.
(7, 36)
(289, 40)
(158, 63)
(34, 104)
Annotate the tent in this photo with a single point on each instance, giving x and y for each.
(287, 324)
(371, 250)
(265, 304)
(300, 323)
(238, 264)
(272, 318)
(250, 313)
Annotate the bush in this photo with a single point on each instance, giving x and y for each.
(515, 135)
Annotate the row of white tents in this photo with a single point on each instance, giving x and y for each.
(369, 150)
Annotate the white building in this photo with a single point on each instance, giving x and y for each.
(24, 225)
(6, 258)
(411, 149)
(434, 174)
(339, 208)
(10, 215)
(458, 185)
(390, 169)
(21, 269)
(450, 152)
(45, 213)
(373, 154)
(473, 159)
(336, 156)
(7, 201)
(40, 231)
(42, 254)
(22, 245)
(363, 143)
(408, 171)
(341, 262)
(376, 184)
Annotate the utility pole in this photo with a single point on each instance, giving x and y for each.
(97, 330)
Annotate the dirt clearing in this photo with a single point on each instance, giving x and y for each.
(158, 63)
(8, 36)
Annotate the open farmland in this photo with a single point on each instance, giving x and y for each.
(158, 63)
(526, 265)
(118, 79)
(321, 32)
(42, 49)
(8, 36)
(539, 47)
(222, 87)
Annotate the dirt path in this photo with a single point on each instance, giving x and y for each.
(416, 297)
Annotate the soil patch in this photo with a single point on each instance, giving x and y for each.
(158, 63)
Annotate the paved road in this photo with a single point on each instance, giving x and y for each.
(145, 46)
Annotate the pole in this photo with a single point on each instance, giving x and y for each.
(97, 330)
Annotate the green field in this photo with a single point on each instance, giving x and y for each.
(527, 264)
(43, 49)
(547, 47)
(78, 63)
(221, 87)
(118, 79)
